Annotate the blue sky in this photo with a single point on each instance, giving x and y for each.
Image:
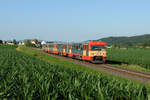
(73, 20)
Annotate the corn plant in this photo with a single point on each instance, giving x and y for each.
(24, 77)
(131, 56)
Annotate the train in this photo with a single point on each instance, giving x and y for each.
(94, 51)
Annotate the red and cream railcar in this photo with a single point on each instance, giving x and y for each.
(55, 49)
(45, 48)
(62, 49)
(92, 51)
(51, 48)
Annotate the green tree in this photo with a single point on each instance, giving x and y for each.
(145, 44)
(28, 43)
(14, 41)
(36, 41)
(1, 42)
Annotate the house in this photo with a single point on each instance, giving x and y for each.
(34, 41)
(10, 43)
(43, 43)
(21, 43)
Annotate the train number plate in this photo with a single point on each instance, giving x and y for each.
(98, 53)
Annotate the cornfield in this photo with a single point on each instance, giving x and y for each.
(131, 56)
(24, 77)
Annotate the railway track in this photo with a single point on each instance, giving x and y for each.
(133, 72)
(111, 69)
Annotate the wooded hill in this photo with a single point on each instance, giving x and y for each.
(143, 40)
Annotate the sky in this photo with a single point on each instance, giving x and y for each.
(73, 20)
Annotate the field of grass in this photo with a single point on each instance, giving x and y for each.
(139, 57)
(26, 77)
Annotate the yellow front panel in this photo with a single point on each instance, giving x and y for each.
(70, 51)
(84, 52)
(54, 49)
(64, 50)
(97, 53)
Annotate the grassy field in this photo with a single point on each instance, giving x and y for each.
(24, 76)
(138, 59)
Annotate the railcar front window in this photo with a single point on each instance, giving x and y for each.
(98, 47)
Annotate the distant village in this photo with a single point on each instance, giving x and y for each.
(34, 42)
(40, 43)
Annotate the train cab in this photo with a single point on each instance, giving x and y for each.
(95, 52)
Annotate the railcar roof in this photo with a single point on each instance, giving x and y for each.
(80, 43)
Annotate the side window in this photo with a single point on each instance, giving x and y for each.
(84, 47)
(73, 47)
(87, 50)
(64, 46)
(81, 47)
(78, 47)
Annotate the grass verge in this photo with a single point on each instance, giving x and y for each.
(133, 67)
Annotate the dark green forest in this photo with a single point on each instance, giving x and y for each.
(140, 40)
